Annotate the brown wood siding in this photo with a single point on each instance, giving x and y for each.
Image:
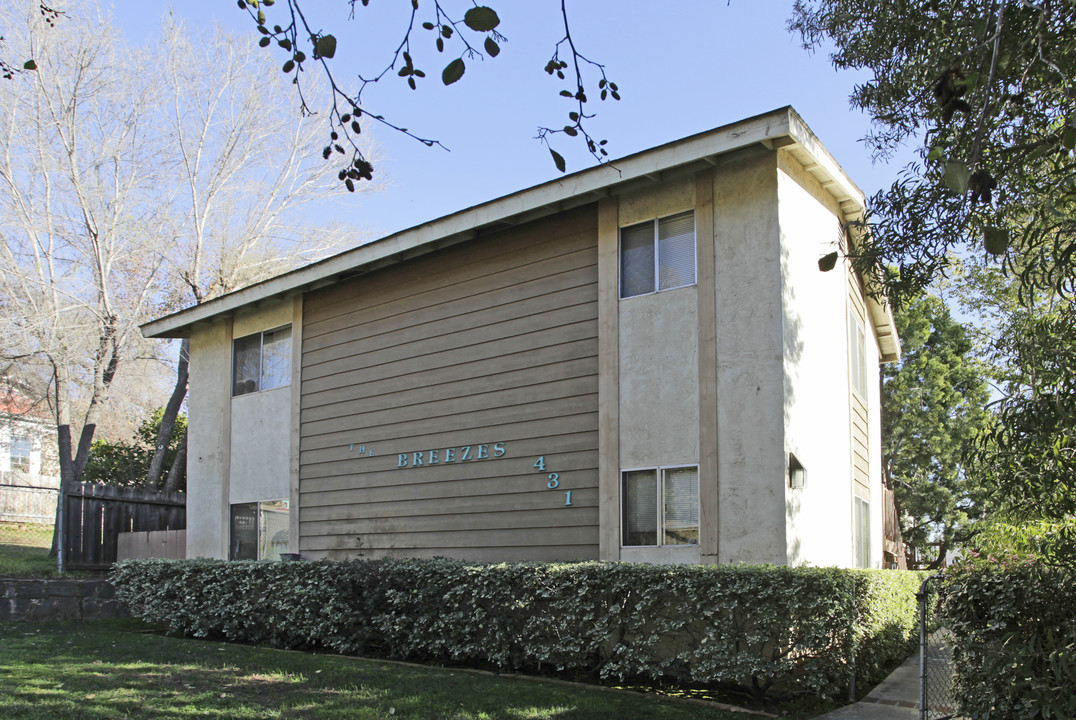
(858, 409)
(490, 345)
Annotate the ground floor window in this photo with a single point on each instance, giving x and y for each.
(259, 530)
(862, 522)
(660, 506)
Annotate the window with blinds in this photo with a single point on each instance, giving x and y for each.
(857, 353)
(657, 255)
(660, 506)
(862, 521)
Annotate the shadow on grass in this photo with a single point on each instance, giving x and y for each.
(26, 561)
(103, 670)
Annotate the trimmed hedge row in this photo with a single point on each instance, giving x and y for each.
(1014, 647)
(762, 627)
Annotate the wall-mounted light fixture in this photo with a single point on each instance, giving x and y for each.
(797, 474)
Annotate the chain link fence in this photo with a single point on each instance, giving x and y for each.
(27, 518)
(935, 656)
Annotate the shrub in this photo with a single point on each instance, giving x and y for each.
(763, 627)
(1014, 648)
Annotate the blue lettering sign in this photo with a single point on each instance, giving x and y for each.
(462, 453)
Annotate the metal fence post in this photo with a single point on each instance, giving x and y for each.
(922, 596)
(61, 506)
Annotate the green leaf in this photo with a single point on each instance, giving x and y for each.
(557, 159)
(936, 153)
(325, 46)
(1068, 136)
(29, 65)
(481, 19)
(492, 48)
(453, 71)
(996, 240)
(956, 176)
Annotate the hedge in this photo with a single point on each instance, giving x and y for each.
(1014, 641)
(767, 628)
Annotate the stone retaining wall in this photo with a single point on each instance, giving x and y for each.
(57, 599)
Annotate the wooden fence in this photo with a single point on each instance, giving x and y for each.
(28, 504)
(167, 544)
(95, 515)
(895, 551)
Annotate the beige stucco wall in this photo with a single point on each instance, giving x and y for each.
(819, 516)
(209, 406)
(658, 366)
(749, 348)
(261, 424)
(220, 472)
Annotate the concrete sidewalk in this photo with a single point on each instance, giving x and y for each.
(895, 698)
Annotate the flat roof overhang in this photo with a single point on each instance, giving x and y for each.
(778, 129)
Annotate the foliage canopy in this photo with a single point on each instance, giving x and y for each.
(990, 88)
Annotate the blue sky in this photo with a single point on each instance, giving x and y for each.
(683, 66)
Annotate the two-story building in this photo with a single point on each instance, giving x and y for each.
(640, 361)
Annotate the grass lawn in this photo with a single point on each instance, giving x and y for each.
(24, 550)
(109, 669)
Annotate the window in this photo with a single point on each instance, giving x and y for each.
(261, 361)
(857, 354)
(862, 521)
(657, 255)
(675, 490)
(259, 530)
(20, 453)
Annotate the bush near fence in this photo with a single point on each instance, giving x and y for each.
(1014, 640)
(767, 628)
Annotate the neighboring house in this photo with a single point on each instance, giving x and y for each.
(640, 361)
(29, 469)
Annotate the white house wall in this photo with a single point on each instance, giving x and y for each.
(816, 362)
(749, 347)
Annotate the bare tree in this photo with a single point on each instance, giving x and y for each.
(125, 194)
(247, 161)
(79, 261)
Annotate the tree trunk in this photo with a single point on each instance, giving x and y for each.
(177, 476)
(168, 421)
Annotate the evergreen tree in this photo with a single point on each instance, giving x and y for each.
(933, 406)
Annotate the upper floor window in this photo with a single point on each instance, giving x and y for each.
(657, 255)
(261, 361)
(857, 353)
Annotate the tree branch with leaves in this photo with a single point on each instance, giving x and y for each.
(456, 35)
